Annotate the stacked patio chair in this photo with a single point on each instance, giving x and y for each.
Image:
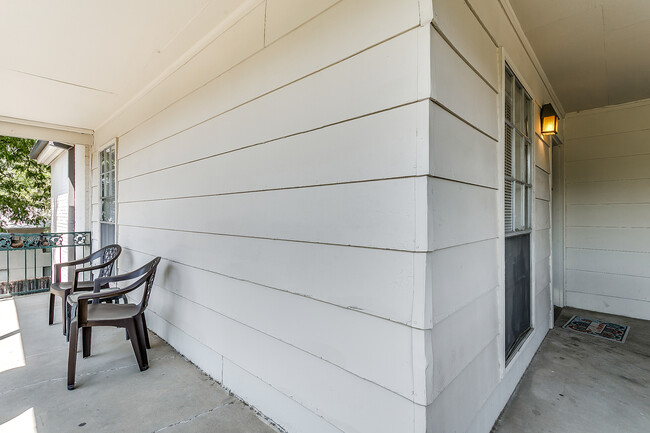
(106, 258)
(90, 312)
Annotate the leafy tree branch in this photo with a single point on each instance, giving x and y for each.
(24, 185)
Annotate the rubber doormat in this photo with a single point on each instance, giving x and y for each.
(610, 331)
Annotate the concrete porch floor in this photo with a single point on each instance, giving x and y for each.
(581, 383)
(111, 394)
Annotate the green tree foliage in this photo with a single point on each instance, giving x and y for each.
(24, 184)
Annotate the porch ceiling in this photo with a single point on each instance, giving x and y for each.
(77, 63)
(594, 52)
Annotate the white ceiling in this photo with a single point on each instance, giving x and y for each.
(594, 52)
(76, 62)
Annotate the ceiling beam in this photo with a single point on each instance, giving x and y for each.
(44, 131)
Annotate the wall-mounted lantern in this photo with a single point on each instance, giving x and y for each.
(550, 120)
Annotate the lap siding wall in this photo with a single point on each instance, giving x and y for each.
(325, 189)
(281, 175)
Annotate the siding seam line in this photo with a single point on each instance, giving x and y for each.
(258, 96)
(609, 296)
(239, 366)
(462, 57)
(467, 122)
(321, 185)
(270, 141)
(292, 345)
(286, 292)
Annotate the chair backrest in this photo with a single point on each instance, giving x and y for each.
(109, 255)
(150, 276)
(145, 276)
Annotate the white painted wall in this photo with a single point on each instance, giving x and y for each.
(62, 198)
(607, 194)
(22, 264)
(281, 174)
(471, 382)
(325, 189)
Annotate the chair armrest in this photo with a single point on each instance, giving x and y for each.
(106, 293)
(57, 267)
(90, 268)
(72, 263)
(78, 271)
(103, 281)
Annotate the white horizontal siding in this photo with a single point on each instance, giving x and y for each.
(367, 346)
(608, 121)
(542, 185)
(378, 282)
(607, 238)
(459, 152)
(609, 304)
(288, 413)
(468, 37)
(630, 143)
(605, 284)
(461, 213)
(612, 262)
(373, 147)
(474, 383)
(608, 215)
(542, 245)
(461, 275)
(283, 179)
(608, 192)
(542, 211)
(282, 16)
(608, 169)
(542, 153)
(288, 59)
(460, 89)
(210, 361)
(451, 355)
(341, 90)
(608, 196)
(542, 275)
(375, 214)
(469, 390)
(309, 380)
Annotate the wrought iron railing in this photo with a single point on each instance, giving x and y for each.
(37, 250)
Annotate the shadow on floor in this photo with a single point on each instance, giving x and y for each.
(112, 395)
(581, 383)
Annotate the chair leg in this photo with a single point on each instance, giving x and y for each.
(86, 336)
(72, 353)
(64, 315)
(137, 350)
(141, 336)
(68, 320)
(51, 316)
(146, 332)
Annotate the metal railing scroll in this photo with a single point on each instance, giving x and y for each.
(27, 264)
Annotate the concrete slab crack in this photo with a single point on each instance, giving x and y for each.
(185, 421)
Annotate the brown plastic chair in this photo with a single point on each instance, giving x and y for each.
(107, 257)
(129, 316)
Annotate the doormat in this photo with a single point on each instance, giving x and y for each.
(610, 331)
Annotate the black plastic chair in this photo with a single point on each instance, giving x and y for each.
(129, 316)
(107, 257)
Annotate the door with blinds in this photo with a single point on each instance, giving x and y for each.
(517, 211)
